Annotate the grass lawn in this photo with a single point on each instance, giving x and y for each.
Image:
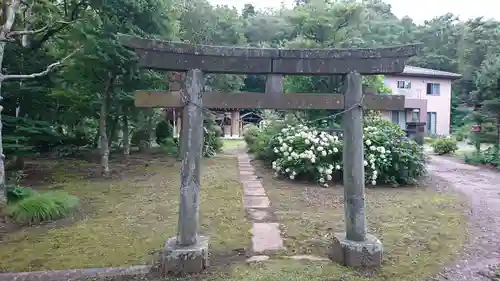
(421, 229)
(126, 220)
(229, 144)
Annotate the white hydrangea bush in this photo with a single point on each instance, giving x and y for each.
(378, 155)
(304, 153)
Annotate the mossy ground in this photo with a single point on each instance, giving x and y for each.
(421, 229)
(126, 220)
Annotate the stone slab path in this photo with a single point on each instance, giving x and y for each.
(266, 235)
(482, 187)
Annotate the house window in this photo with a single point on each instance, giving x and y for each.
(398, 118)
(404, 84)
(394, 117)
(433, 89)
(431, 122)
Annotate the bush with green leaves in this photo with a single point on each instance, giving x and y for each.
(164, 131)
(260, 142)
(445, 145)
(462, 133)
(16, 193)
(250, 133)
(42, 207)
(488, 157)
(212, 144)
(301, 152)
(169, 146)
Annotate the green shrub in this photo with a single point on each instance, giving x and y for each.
(261, 145)
(488, 157)
(169, 146)
(390, 157)
(138, 136)
(163, 131)
(16, 193)
(462, 133)
(250, 133)
(212, 144)
(444, 146)
(43, 207)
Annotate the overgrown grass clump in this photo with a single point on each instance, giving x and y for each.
(40, 207)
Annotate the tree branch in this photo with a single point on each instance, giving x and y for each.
(47, 70)
(36, 31)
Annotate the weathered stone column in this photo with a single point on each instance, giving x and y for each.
(274, 84)
(226, 123)
(179, 122)
(354, 247)
(235, 124)
(188, 252)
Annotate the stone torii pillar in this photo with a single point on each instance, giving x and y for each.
(188, 251)
(355, 247)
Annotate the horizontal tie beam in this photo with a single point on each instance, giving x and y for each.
(250, 100)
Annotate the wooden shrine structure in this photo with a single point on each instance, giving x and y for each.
(188, 251)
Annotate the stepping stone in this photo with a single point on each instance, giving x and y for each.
(254, 191)
(257, 259)
(246, 173)
(248, 178)
(252, 184)
(266, 236)
(256, 202)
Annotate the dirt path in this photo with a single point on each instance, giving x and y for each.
(483, 188)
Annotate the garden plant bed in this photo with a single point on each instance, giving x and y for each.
(127, 219)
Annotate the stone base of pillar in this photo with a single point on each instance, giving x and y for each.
(366, 253)
(184, 260)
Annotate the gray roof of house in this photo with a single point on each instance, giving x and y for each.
(427, 72)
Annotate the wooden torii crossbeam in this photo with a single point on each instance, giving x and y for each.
(249, 100)
(188, 251)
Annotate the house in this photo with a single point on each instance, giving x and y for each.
(427, 98)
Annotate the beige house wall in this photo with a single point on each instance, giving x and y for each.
(417, 96)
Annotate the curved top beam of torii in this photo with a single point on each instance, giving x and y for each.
(175, 56)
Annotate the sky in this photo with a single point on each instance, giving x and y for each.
(422, 10)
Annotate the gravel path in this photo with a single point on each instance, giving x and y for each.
(482, 186)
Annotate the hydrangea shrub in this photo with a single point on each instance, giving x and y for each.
(301, 152)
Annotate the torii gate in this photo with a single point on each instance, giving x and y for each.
(188, 251)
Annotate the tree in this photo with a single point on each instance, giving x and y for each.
(23, 31)
(487, 100)
(108, 67)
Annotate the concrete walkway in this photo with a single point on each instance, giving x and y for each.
(266, 235)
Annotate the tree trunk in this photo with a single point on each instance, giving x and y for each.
(3, 189)
(102, 128)
(126, 136)
(150, 128)
(9, 18)
(112, 130)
